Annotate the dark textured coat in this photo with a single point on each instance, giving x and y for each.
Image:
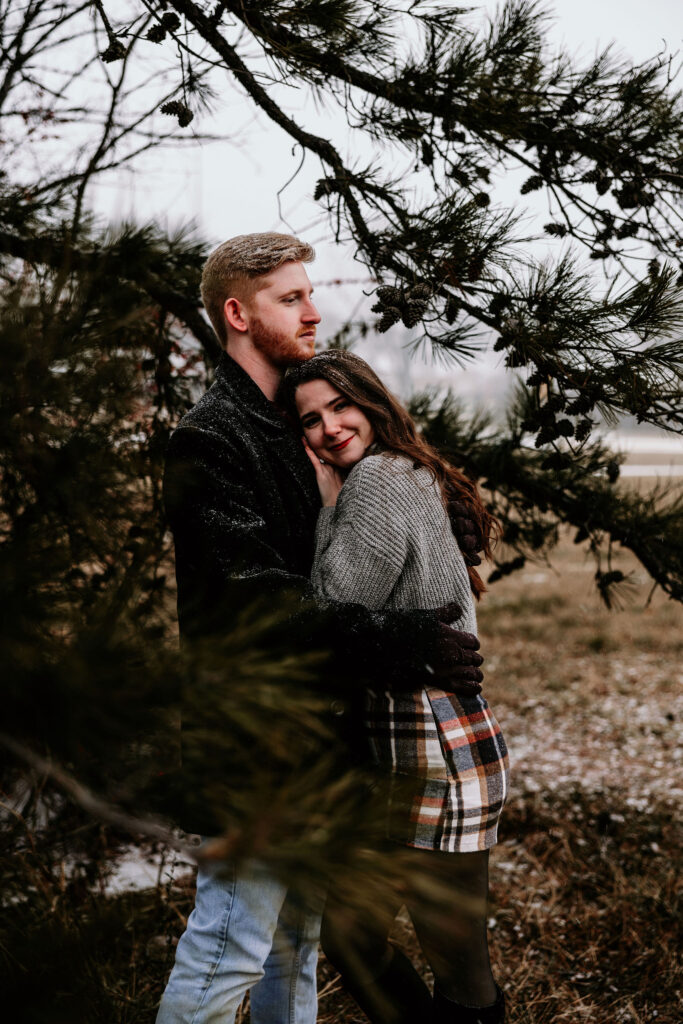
(241, 499)
(242, 502)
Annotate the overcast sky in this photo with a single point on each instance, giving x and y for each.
(228, 188)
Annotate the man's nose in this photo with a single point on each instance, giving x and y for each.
(311, 314)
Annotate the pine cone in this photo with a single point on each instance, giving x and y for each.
(547, 433)
(475, 269)
(389, 296)
(583, 403)
(532, 184)
(390, 316)
(413, 313)
(629, 229)
(583, 429)
(179, 110)
(569, 106)
(171, 21)
(115, 51)
(505, 568)
(602, 184)
(498, 303)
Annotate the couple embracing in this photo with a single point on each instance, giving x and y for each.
(364, 515)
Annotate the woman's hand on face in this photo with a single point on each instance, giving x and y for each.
(329, 479)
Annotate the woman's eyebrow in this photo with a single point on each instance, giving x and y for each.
(314, 412)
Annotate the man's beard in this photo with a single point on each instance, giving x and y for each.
(282, 348)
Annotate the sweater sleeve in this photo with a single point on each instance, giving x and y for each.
(361, 544)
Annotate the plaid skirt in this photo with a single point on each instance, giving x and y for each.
(444, 764)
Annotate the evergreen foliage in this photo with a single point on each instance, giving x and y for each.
(451, 108)
(535, 493)
(602, 142)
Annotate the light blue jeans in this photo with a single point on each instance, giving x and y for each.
(246, 932)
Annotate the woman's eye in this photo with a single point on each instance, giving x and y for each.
(341, 404)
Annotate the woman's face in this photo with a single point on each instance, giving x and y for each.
(336, 429)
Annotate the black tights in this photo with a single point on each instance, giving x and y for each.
(446, 898)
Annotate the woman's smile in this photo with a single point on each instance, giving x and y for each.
(342, 444)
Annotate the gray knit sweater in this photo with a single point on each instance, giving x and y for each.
(388, 542)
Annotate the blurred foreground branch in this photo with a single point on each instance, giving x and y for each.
(94, 805)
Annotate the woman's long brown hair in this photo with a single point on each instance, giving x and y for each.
(395, 430)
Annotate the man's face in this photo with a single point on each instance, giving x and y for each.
(281, 316)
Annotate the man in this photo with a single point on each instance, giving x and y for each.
(243, 503)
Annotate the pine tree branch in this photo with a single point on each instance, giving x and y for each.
(313, 143)
(19, 59)
(543, 120)
(345, 179)
(419, 247)
(638, 523)
(43, 249)
(95, 805)
(533, 497)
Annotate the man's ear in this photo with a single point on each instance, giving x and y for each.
(233, 310)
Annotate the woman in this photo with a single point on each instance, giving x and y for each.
(385, 539)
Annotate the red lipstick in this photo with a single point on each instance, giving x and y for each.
(338, 447)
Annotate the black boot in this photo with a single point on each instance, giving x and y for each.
(397, 995)
(446, 1011)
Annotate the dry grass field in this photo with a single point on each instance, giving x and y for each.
(584, 919)
(585, 903)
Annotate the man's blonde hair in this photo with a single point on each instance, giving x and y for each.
(234, 269)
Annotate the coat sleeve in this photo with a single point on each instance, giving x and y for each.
(224, 556)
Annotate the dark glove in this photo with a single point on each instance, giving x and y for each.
(466, 532)
(455, 664)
